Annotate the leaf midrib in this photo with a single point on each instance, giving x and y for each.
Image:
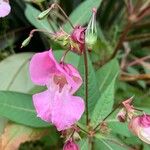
(17, 108)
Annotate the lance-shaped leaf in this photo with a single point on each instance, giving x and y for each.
(32, 15)
(104, 104)
(82, 13)
(106, 74)
(93, 92)
(83, 144)
(18, 107)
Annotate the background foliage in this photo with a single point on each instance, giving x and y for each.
(125, 75)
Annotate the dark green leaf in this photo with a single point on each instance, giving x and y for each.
(18, 107)
(104, 104)
(106, 74)
(93, 93)
(32, 13)
(82, 13)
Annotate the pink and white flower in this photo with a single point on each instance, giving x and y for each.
(4, 8)
(140, 126)
(57, 104)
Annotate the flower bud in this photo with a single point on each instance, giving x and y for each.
(70, 145)
(140, 126)
(91, 31)
(122, 115)
(78, 34)
(128, 105)
(44, 13)
(78, 39)
(26, 41)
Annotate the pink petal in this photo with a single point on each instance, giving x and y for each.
(134, 125)
(4, 8)
(58, 108)
(43, 105)
(74, 77)
(67, 110)
(41, 66)
(144, 135)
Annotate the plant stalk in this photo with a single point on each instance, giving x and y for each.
(99, 125)
(86, 85)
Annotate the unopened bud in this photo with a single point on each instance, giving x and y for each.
(44, 13)
(122, 115)
(91, 31)
(90, 40)
(26, 42)
(70, 145)
(78, 39)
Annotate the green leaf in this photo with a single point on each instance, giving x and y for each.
(104, 144)
(93, 93)
(120, 128)
(81, 15)
(14, 74)
(70, 58)
(106, 74)
(18, 107)
(146, 147)
(32, 13)
(83, 144)
(104, 104)
(109, 143)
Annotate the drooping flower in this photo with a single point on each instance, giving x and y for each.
(57, 104)
(78, 37)
(140, 126)
(4, 8)
(127, 112)
(70, 145)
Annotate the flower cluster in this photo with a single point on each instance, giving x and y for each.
(139, 124)
(56, 105)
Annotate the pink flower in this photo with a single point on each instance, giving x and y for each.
(78, 36)
(70, 145)
(140, 126)
(4, 8)
(56, 105)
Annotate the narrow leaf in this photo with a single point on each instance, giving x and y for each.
(78, 18)
(93, 92)
(83, 144)
(14, 73)
(32, 15)
(104, 104)
(18, 107)
(106, 74)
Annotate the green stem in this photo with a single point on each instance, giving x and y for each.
(99, 125)
(83, 130)
(86, 85)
